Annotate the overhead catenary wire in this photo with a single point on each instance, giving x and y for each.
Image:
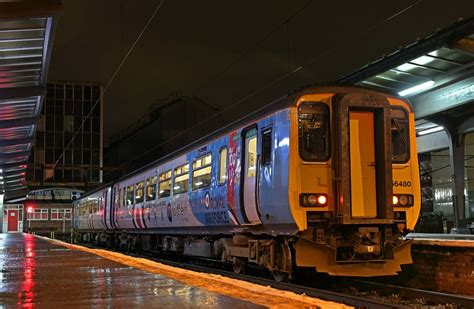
(276, 80)
(114, 75)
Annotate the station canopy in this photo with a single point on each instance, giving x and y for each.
(26, 36)
(441, 59)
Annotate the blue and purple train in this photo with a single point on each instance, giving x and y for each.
(326, 177)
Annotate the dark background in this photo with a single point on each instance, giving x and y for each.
(234, 55)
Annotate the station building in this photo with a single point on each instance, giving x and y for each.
(62, 164)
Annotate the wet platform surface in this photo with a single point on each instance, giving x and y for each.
(35, 272)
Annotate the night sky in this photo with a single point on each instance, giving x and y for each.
(227, 51)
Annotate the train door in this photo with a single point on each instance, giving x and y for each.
(362, 158)
(362, 164)
(249, 185)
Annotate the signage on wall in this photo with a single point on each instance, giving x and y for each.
(54, 194)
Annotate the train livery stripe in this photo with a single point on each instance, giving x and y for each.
(142, 212)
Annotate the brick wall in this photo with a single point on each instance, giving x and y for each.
(440, 268)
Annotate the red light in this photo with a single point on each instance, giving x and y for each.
(30, 209)
(311, 199)
(322, 199)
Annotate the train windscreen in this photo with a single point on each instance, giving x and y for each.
(313, 131)
(400, 138)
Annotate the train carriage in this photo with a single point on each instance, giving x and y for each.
(326, 177)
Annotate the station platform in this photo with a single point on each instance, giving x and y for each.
(37, 271)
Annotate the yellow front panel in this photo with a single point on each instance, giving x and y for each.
(362, 160)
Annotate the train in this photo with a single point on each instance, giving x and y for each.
(324, 178)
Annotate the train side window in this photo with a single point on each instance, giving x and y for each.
(400, 136)
(124, 196)
(117, 198)
(130, 196)
(222, 166)
(267, 146)
(165, 184)
(313, 131)
(202, 168)
(181, 179)
(139, 191)
(150, 189)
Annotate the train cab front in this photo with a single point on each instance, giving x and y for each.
(348, 146)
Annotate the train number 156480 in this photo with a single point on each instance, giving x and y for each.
(399, 183)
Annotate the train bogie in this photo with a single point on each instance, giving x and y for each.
(326, 178)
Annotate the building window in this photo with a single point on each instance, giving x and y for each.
(59, 214)
(222, 166)
(151, 188)
(202, 169)
(139, 188)
(181, 179)
(38, 214)
(165, 184)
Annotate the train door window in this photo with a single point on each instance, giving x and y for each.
(165, 184)
(313, 131)
(202, 168)
(130, 196)
(222, 166)
(139, 192)
(266, 146)
(252, 156)
(181, 179)
(150, 189)
(400, 137)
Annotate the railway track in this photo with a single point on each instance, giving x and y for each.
(412, 297)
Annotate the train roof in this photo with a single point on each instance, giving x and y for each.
(275, 105)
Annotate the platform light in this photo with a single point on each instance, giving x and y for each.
(416, 88)
(431, 130)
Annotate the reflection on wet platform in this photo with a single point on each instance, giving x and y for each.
(35, 272)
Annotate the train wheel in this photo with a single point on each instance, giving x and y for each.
(283, 262)
(280, 276)
(239, 265)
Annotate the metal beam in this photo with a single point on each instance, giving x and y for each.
(432, 142)
(22, 92)
(18, 141)
(8, 166)
(444, 98)
(12, 194)
(13, 123)
(9, 156)
(446, 36)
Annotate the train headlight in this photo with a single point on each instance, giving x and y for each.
(313, 199)
(322, 200)
(403, 200)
